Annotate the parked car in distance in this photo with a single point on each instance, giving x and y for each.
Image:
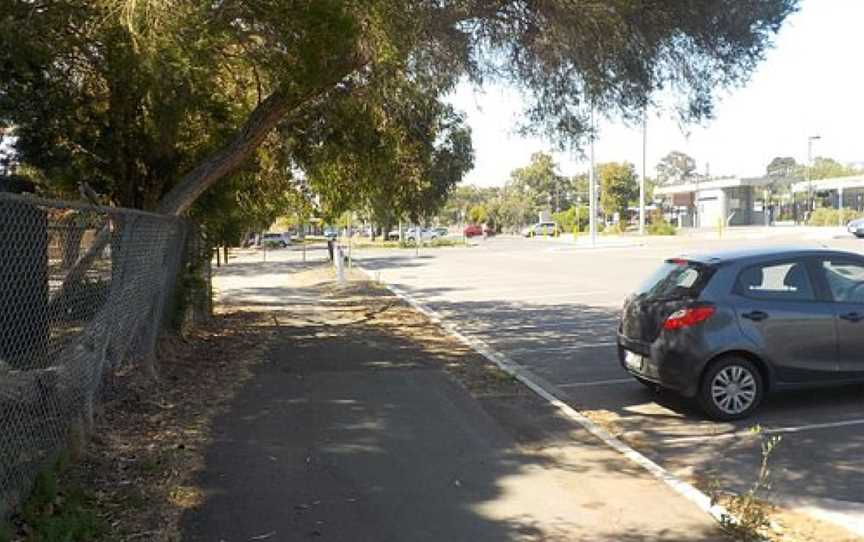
(423, 234)
(856, 228)
(272, 240)
(541, 228)
(330, 234)
(472, 230)
(441, 231)
(728, 327)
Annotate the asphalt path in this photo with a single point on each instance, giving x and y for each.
(352, 429)
(553, 308)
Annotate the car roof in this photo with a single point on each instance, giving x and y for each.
(758, 253)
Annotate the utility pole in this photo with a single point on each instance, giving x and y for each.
(812, 200)
(644, 168)
(592, 190)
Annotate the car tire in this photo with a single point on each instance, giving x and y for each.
(731, 389)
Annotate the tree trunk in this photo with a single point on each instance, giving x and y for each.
(223, 163)
(230, 158)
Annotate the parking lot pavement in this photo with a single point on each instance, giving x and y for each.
(554, 310)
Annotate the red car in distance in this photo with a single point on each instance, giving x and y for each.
(473, 230)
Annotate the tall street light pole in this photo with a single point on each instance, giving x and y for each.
(642, 180)
(592, 190)
(810, 140)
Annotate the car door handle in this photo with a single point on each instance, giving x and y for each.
(852, 316)
(756, 316)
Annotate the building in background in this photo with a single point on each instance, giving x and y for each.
(835, 192)
(708, 203)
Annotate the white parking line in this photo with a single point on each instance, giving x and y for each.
(529, 326)
(765, 431)
(568, 348)
(597, 383)
(601, 247)
(492, 295)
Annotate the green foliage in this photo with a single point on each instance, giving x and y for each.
(781, 168)
(58, 514)
(823, 168)
(477, 214)
(657, 225)
(540, 179)
(394, 151)
(676, 167)
(530, 190)
(661, 227)
(566, 220)
(825, 216)
(618, 186)
(5, 532)
(134, 95)
(461, 199)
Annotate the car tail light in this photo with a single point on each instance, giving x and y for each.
(688, 317)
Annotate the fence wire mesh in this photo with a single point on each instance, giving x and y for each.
(83, 292)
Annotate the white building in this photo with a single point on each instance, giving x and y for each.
(838, 192)
(730, 201)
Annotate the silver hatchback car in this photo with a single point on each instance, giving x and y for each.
(728, 327)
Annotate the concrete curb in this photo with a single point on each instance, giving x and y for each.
(548, 392)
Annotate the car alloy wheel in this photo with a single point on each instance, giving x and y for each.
(732, 389)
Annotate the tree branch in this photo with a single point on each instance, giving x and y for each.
(266, 116)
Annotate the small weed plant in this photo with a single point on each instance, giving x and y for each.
(749, 518)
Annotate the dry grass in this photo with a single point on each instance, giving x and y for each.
(149, 442)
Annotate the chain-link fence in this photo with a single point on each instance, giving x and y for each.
(83, 292)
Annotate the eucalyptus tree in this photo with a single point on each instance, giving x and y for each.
(158, 100)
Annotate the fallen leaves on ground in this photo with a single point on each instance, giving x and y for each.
(150, 439)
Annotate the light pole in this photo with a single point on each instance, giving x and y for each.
(578, 217)
(592, 191)
(642, 181)
(810, 140)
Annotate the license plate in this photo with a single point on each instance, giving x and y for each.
(633, 361)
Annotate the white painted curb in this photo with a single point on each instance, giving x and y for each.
(548, 392)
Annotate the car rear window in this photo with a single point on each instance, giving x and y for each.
(676, 279)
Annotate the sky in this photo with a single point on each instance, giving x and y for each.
(810, 84)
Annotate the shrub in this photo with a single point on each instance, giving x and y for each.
(661, 227)
(825, 216)
(58, 514)
(615, 229)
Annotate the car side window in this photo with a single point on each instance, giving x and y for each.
(788, 281)
(845, 278)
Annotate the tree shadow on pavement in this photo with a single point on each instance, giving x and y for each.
(571, 344)
(359, 432)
